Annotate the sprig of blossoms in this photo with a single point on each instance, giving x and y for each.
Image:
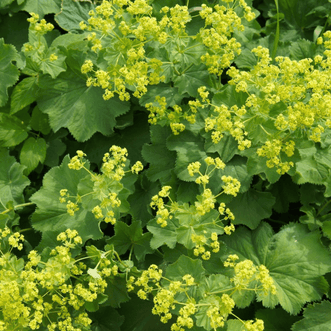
(300, 90)
(202, 234)
(220, 23)
(42, 291)
(180, 296)
(106, 186)
(246, 273)
(127, 26)
(40, 27)
(130, 30)
(165, 298)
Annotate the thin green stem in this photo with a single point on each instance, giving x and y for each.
(16, 207)
(325, 205)
(269, 134)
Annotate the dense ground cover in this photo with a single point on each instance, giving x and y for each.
(165, 165)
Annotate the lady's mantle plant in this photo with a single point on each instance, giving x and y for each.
(197, 193)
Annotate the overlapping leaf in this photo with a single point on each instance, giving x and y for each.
(161, 160)
(12, 130)
(106, 319)
(184, 266)
(189, 149)
(25, 92)
(12, 180)
(33, 151)
(70, 103)
(316, 317)
(51, 216)
(8, 72)
(295, 258)
(162, 236)
(42, 7)
(251, 207)
(196, 75)
(138, 316)
(131, 237)
(314, 166)
(72, 13)
(141, 198)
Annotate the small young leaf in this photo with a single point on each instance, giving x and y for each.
(12, 130)
(94, 273)
(33, 152)
(24, 93)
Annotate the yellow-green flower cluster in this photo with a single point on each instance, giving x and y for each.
(184, 319)
(128, 29)
(152, 275)
(231, 185)
(16, 240)
(206, 201)
(220, 310)
(72, 207)
(36, 48)
(165, 297)
(220, 24)
(179, 296)
(203, 239)
(229, 215)
(201, 242)
(301, 87)
(158, 111)
(257, 325)
(77, 163)
(104, 184)
(223, 120)
(53, 57)
(194, 168)
(37, 293)
(164, 211)
(41, 27)
(137, 167)
(113, 165)
(272, 151)
(246, 273)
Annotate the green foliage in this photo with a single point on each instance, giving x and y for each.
(165, 165)
(9, 73)
(278, 253)
(316, 317)
(12, 184)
